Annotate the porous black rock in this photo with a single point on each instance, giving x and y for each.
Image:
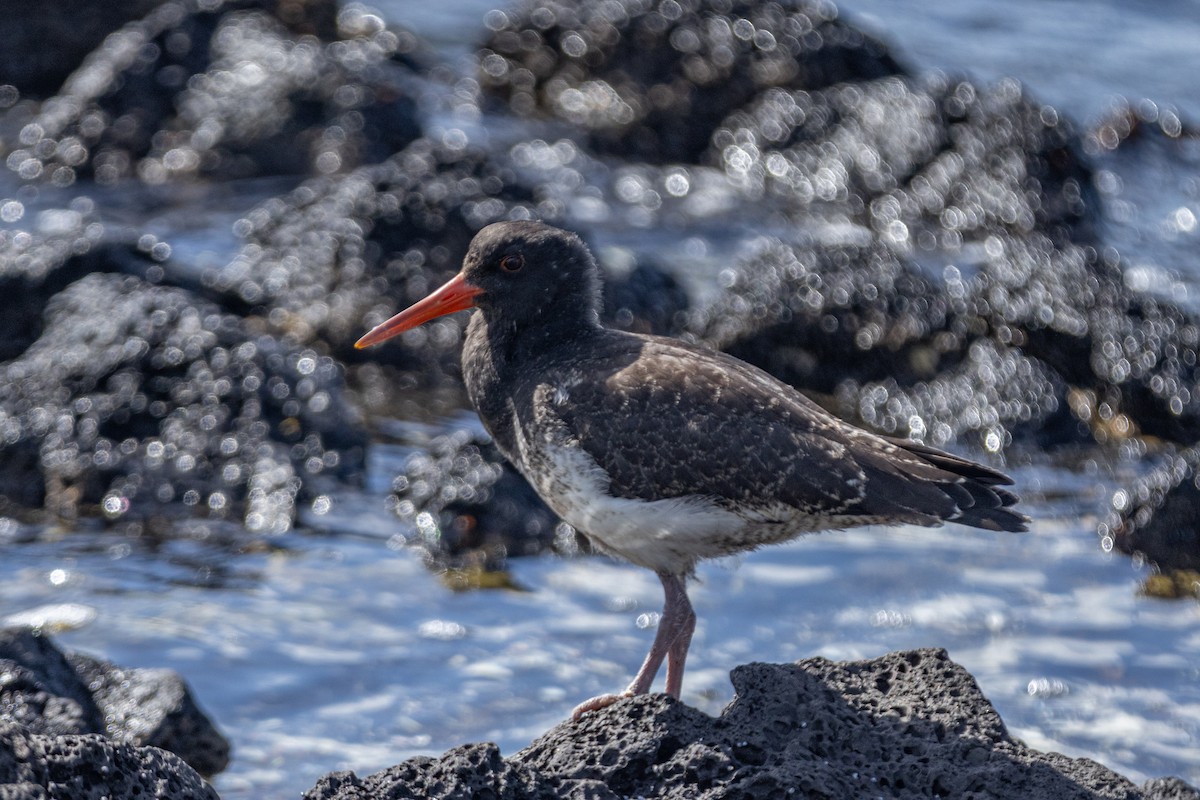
(227, 89)
(1021, 338)
(645, 299)
(41, 44)
(51, 694)
(905, 725)
(996, 395)
(905, 351)
(1169, 789)
(816, 316)
(37, 264)
(651, 80)
(139, 400)
(42, 691)
(152, 707)
(340, 254)
(932, 162)
(1158, 516)
(1127, 356)
(36, 766)
(474, 770)
(468, 506)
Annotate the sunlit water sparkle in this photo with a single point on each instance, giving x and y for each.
(335, 649)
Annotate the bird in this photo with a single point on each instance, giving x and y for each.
(662, 452)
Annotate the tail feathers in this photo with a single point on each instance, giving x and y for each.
(992, 509)
(938, 486)
(957, 465)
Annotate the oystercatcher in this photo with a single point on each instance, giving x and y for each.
(662, 452)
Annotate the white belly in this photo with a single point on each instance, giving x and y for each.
(668, 535)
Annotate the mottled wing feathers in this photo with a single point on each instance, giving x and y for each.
(664, 419)
(668, 425)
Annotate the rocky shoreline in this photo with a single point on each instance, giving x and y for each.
(143, 388)
(73, 726)
(146, 392)
(905, 725)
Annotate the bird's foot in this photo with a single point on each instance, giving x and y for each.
(597, 703)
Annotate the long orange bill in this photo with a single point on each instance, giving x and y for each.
(454, 295)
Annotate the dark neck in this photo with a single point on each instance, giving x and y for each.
(497, 350)
(511, 343)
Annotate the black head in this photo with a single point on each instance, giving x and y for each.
(526, 277)
(530, 273)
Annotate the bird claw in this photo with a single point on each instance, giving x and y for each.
(597, 703)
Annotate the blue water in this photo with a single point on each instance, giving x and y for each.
(333, 647)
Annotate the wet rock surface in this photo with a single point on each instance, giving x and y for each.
(344, 253)
(817, 316)
(468, 507)
(933, 264)
(1155, 518)
(905, 725)
(651, 81)
(49, 695)
(906, 350)
(36, 265)
(228, 90)
(1043, 343)
(139, 400)
(971, 160)
(75, 28)
(91, 767)
(942, 278)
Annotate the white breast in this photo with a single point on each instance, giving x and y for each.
(668, 535)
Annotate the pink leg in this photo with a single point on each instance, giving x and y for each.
(670, 642)
(677, 653)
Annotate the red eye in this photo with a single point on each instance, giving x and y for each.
(512, 263)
